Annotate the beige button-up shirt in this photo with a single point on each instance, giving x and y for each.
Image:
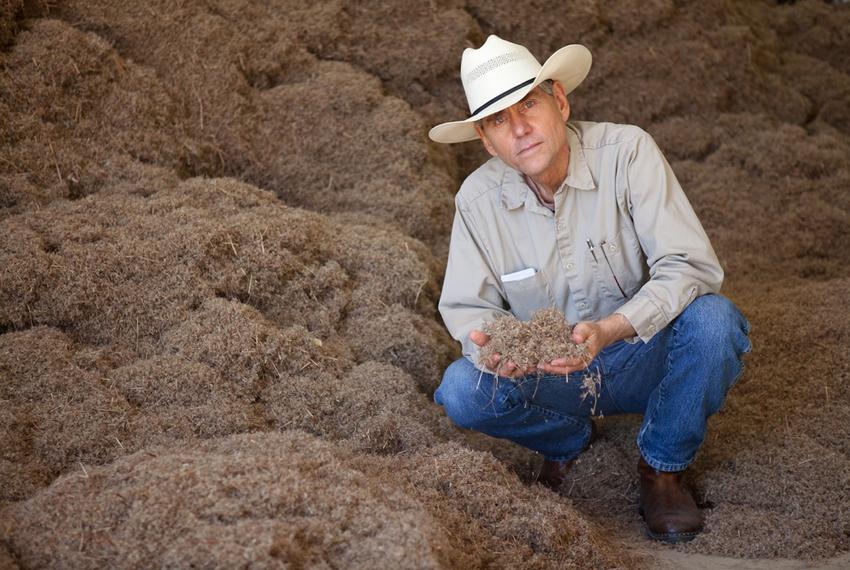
(623, 239)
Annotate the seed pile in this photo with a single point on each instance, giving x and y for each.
(225, 220)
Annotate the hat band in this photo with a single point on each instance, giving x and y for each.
(502, 95)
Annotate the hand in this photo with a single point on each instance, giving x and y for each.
(494, 363)
(596, 335)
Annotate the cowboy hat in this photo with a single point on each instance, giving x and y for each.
(501, 73)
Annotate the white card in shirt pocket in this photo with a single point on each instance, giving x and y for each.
(518, 275)
(527, 291)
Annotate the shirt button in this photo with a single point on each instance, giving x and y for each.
(582, 305)
(569, 266)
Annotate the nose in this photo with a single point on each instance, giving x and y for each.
(519, 125)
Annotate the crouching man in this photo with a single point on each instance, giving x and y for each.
(590, 219)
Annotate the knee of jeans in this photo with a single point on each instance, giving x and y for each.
(717, 324)
(461, 394)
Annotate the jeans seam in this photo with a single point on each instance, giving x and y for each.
(504, 402)
(649, 417)
(546, 412)
(496, 402)
(554, 414)
(566, 417)
(606, 387)
(747, 350)
(650, 346)
(743, 366)
(558, 378)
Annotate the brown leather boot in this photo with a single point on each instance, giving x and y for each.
(553, 473)
(667, 507)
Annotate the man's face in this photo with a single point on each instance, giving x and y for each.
(530, 136)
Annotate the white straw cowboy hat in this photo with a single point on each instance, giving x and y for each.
(501, 73)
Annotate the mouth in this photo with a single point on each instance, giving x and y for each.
(528, 149)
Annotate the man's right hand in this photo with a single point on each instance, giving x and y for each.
(494, 363)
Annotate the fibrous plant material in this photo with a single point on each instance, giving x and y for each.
(151, 158)
(546, 337)
(293, 500)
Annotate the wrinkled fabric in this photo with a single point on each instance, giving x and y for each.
(623, 239)
(677, 381)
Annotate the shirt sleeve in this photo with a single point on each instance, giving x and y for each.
(471, 295)
(682, 263)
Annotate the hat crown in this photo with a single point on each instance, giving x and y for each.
(494, 68)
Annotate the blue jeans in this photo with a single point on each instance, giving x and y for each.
(676, 380)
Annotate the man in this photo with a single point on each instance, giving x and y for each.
(588, 218)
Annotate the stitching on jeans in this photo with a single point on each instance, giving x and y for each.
(661, 466)
(606, 383)
(740, 372)
(542, 411)
(556, 378)
(554, 414)
(498, 405)
(661, 387)
(651, 346)
(503, 402)
(538, 408)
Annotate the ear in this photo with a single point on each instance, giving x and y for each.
(561, 99)
(484, 140)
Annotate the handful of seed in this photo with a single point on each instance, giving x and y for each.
(542, 339)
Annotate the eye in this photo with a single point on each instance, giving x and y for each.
(496, 119)
(529, 103)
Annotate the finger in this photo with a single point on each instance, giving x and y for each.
(575, 367)
(478, 337)
(581, 332)
(571, 366)
(520, 372)
(561, 362)
(516, 371)
(552, 369)
(493, 362)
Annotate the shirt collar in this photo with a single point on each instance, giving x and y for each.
(578, 172)
(515, 191)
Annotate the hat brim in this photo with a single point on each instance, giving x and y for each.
(569, 65)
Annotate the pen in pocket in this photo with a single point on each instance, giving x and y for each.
(614, 275)
(591, 248)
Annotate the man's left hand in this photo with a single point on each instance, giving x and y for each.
(596, 335)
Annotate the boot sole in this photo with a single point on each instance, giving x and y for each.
(670, 538)
(677, 538)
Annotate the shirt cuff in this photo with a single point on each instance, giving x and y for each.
(645, 316)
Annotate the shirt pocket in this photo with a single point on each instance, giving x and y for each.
(528, 295)
(617, 267)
